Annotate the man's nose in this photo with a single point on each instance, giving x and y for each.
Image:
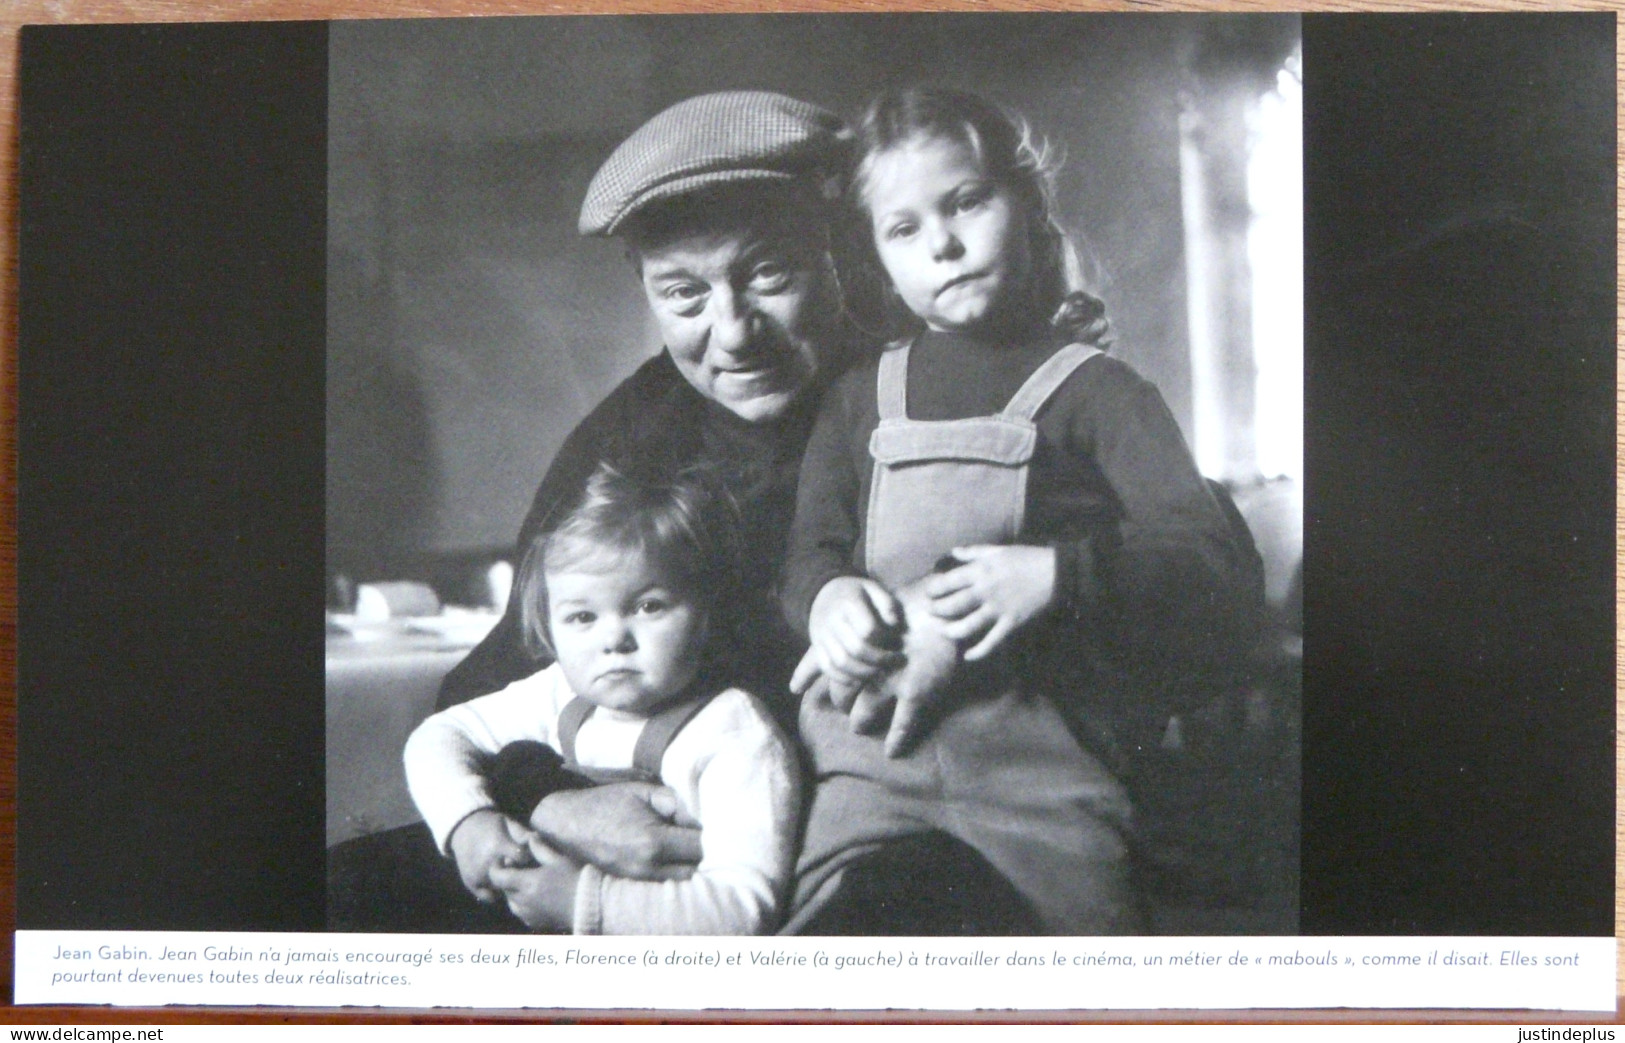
(733, 322)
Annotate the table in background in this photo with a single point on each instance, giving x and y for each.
(382, 680)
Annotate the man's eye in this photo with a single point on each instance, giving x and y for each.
(651, 606)
(683, 291)
(768, 278)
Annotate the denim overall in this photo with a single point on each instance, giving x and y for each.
(1001, 771)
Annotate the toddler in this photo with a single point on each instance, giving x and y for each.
(985, 513)
(628, 593)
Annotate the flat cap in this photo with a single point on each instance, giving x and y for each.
(713, 139)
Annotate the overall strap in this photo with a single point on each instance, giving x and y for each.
(1046, 379)
(891, 383)
(661, 729)
(575, 711)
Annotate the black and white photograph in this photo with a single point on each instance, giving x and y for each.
(1139, 489)
(968, 350)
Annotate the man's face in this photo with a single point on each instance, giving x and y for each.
(745, 310)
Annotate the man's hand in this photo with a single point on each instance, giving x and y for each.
(541, 896)
(932, 658)
(996, 592)
(481, 843)
(904, 702)
(855, 627)
(635, 830)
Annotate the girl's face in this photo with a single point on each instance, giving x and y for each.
(951, 238)
(626, 638)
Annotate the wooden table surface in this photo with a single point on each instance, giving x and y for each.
(16, 13)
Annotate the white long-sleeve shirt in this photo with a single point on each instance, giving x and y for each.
(731, 767)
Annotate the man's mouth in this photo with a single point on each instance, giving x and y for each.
(756, 368)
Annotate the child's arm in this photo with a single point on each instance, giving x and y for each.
(1165, 578)
(1176, 573)
(824, 593)
(1170, 573)
(444, 758)
(740, 776)
(1177, 599)
(541, 892)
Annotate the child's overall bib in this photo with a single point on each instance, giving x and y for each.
(1001, 771)
(648, 753)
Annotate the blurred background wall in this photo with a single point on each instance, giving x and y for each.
(470, 328)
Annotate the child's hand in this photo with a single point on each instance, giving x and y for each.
(542, 896)
(810, 681)
(530, 843)
(481, 843)
(995, 592)
(855, 629)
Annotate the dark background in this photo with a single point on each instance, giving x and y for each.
(1458, 743)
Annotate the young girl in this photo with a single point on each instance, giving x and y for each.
(989, 516)
(627, 591)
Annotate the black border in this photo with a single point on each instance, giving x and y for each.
(1458, 746)
(1458, 764)
(171, 363)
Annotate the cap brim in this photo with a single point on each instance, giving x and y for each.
(680, 187)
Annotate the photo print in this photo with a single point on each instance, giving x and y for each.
(1271, 619)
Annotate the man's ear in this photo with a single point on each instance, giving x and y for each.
(830, 271)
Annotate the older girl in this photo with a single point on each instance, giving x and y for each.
(992, 519)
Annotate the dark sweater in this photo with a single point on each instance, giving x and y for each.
(655, 424)
(1149, 566)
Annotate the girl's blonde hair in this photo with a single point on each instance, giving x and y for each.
(687, 525)
(1010, 153)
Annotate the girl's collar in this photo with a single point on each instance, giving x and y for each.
(980, 343)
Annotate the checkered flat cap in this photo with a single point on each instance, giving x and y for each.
(714, 139)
